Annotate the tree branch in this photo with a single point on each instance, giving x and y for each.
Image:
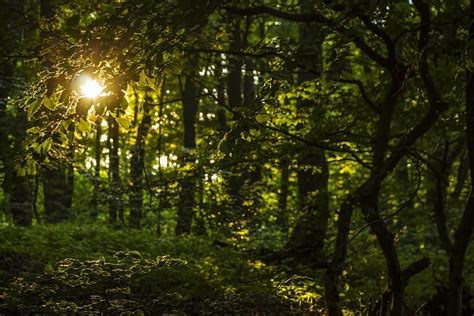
(257, 10)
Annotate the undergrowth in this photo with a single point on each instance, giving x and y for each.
(97, 269)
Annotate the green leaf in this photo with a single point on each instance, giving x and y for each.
(48, 269)
(49, 103)
(262, 118)
(21, 172)
(151, 83)
(123, 121)
(135, 253)
(45, 146)
(84, 126)
(33, 107)
(33, 130)
(254, 132)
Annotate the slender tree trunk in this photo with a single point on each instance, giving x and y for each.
(438, 188)
(96, 177)
(465, 229)
(308, 236)
(115, 200)
(336, 265)
(137, 165)
(162, 192)
(234, 92)
(283, 195)
(17, 189)
(200, 227)
(366, 196)
(221, 114)
(386, 240)
(188, 183)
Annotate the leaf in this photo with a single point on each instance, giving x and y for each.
(123, 121)
(245, 137)
(33, 130)
(33, 107)
(21, 172)
(262, 118)
(254, 132)
(63, 137)
(346, 287)
(151, 83)
(135, 253)
(45, 146)
(49, 103)
(83, 125)
(48, 269)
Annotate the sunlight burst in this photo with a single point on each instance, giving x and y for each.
(91, 89)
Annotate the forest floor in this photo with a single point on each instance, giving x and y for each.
(96, 269)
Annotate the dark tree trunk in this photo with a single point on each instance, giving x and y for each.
(234, 92)
(436, 194)
(137, 165)
(57, 194)
(115, 200)
(282, 219)
(58, 180)
(163, 192)
(336, 265)
(188, 183)
(221, 114)
(307, 239)
(96, 176)
(20, 198)
(465, 229)
(200, 226)
(17, 189)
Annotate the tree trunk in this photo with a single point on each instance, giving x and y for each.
(308, 236)
(17, 189)
(221, 114)
(188, 183)
(58, 180)
(137, 165)
(282, 219)
(115, 185)
(234, 92)
(96, 177)
(57, 207)
(465, 229)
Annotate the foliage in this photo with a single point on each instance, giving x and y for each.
(109, 271)
(308, 155)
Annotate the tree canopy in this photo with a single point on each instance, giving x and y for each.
(275, 157)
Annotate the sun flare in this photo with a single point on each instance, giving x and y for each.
(91, 89)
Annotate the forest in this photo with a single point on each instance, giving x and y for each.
(251, 157)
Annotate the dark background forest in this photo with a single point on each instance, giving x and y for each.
(257, 157)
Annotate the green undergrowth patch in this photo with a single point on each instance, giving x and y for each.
(97, 269)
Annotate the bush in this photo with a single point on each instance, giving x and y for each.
(124, 283)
